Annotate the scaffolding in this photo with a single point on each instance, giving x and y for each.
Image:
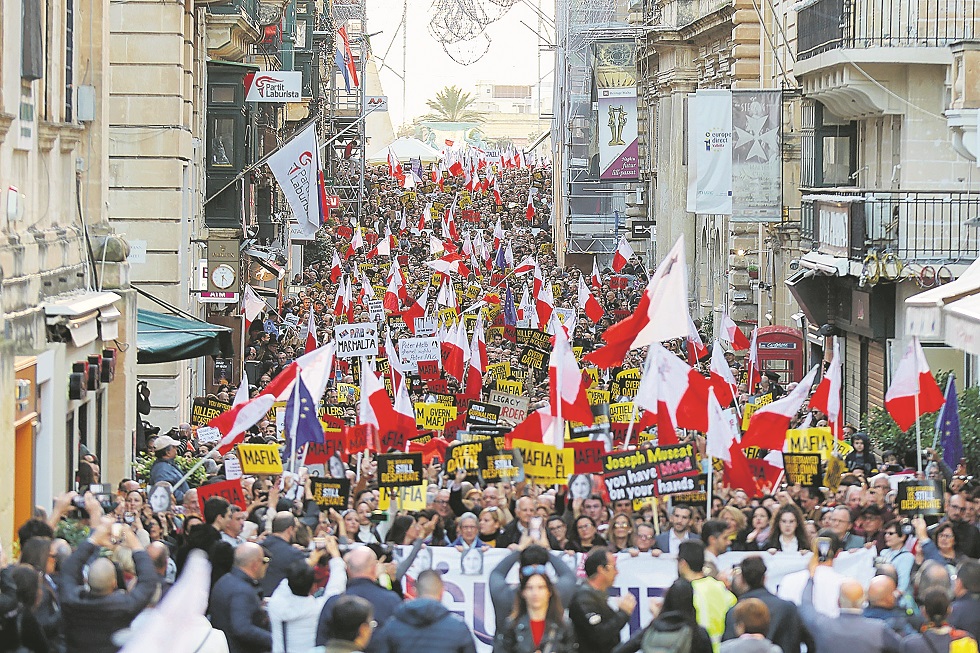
(589, 215)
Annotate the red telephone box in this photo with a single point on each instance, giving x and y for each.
(781, 351)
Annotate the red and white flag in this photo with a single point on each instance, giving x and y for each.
(498, 234)
(912, 379)
(459, 352)
(722, 380)
(252, 305)
(721, 431)
(566, 387)
(336, 268)
(534, 427)
(755, 374)
(339, 304)
(525, 266)
(311, 339)
(622, 256)
(655, 318)
(241, 396)
(478, 360)
(529, 211)
(233, 423)
(596, 277)
(695, 346)
(731, 334)
(768, 425)
(672, 388)
(827, 397)
(416, 309)
(375, 405)
(395, 167)
(404, 412)
(391, 297)
(588, 303)
(544, 304)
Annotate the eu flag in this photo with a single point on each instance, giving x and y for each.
(510, 310)
(307, 423)
(948, 427)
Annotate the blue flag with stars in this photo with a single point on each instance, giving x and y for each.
(948, 427)
(510, 310)
(308, 426)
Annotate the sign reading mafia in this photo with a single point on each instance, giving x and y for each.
(274, 86)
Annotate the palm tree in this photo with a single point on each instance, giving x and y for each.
(452, 105)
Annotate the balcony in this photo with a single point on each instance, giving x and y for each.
(827, 25)
(232, 28)
(921, 226)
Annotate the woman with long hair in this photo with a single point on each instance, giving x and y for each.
(537, 622)
(788, 531)
(758, 530)
(941, 547)
(737, 522)
(621, 533)
(585, 536)
(676, 620)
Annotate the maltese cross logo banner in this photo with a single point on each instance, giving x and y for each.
(296, 167)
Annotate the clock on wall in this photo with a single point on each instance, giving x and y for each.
(223, 276)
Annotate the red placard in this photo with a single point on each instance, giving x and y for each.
(453, 426)
(360, 438)
(345, 232)
(588, 456)
(319, 453)
(428, 370)
(618, 283)
(231, 491)
(392, 440)
(371, 238)
(510, 333)
(440, 386)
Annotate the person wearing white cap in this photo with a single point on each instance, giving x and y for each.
(164, 469)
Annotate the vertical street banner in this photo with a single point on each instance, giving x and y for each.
(757, 171)
(615, 86)
(709, 152)
(296, 167)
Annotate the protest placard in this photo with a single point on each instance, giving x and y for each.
(376, 310)
(480, 412)
(502, 465)
(499, 370)
(698, 496)
(348, 393)
(205, 409)
(208, 435)
(627, 383)
(356, 340)
(318, 453)
(544, 463)
(588, 456)
(414, 350)
(513, 409)
(330, 492)
(233, 468)
(444, 399)
(510, 387)
(465, 456)
(360, 437)
(533, 358)
(802, 468)
(434, 416)
(834, 473)
(230, 491)
(425, 326)
(406, 498)
(597, 397)
(537, 339)
(920, 498)
(812, 440)
(260, 458)
(399, 469)
(621, 412)
(645, 473)
(428, 370)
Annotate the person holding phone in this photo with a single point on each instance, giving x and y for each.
(826, 582)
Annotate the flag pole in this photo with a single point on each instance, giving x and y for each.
(629, 429)
(710, 485)
(918, 430)
(295, 422)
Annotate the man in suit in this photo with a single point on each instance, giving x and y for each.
(236, 602)
(840, 522)
(281, 552)
(680, 530)
(850, 628)
(785, 628)
(518, 527)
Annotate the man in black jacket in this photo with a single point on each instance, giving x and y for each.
(93, 614)
(785, 628)
(516, 529)
(596, 624)
(236, 603)
(965, 610)
(280, 550)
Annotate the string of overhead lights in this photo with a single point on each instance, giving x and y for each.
(460, 26)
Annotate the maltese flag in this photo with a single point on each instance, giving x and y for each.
(529, 211)
(826, 398)
(596, 278)
(722, 380)
(311, 340)
(623, 254)
(417, 309)
(731, 334)
(336, 268)
(233, 423)
(695, 346)
(566, 384)
(252, 305)
(588, 303)
(768, 425)
(721, 430)
(912, 378)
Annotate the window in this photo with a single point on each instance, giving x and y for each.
(222, 141)
(836, 149)
(32, 41)
(223, 94)
(69, 59)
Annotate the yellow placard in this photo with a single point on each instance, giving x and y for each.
(447, 316)
(620, 412)
(593, 373)
(510, 387)
(348, 393)
(747, 414)
(260, 458)
(578, 353)
(500, 370)
(597, 397)
(842, 448)
(408, 498)
(434, 416)
(812, 440)
(545, 463)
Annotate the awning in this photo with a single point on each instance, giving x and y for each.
(825, 264)
(962, 319)
(163, 338)
(78, 312)
(812, 292)
(924, 315)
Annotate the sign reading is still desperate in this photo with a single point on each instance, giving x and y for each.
(920, 498)
(399, 469)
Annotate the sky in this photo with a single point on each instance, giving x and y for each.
(511, 59)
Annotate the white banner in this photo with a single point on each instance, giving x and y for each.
(709, 152)
(274, 86)
(413, 350)
(296, 166)
(757, 162)
(356, 340)
(467, 590)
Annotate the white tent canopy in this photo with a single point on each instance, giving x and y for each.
(404, 149)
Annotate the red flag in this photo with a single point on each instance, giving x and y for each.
(311, 339)
(529, 211)
(432, 448)
(567, 390)
(588, 303)
(826, 398)
(737, 471)
(768, 425)
(754, 374)
(335, 268)
(912, 378)
(732, 334)
(623, 254)
(233, 423)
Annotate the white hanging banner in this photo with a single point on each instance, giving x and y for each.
(296, 166)
(709, 152)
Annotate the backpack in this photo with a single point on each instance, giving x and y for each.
(667, 641)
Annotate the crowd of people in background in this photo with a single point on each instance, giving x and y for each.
(288, 576)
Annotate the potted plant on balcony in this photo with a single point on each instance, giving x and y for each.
(753, 271)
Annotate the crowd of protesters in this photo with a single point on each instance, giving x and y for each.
(287, 576)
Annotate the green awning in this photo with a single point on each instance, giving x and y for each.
(163, 338)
